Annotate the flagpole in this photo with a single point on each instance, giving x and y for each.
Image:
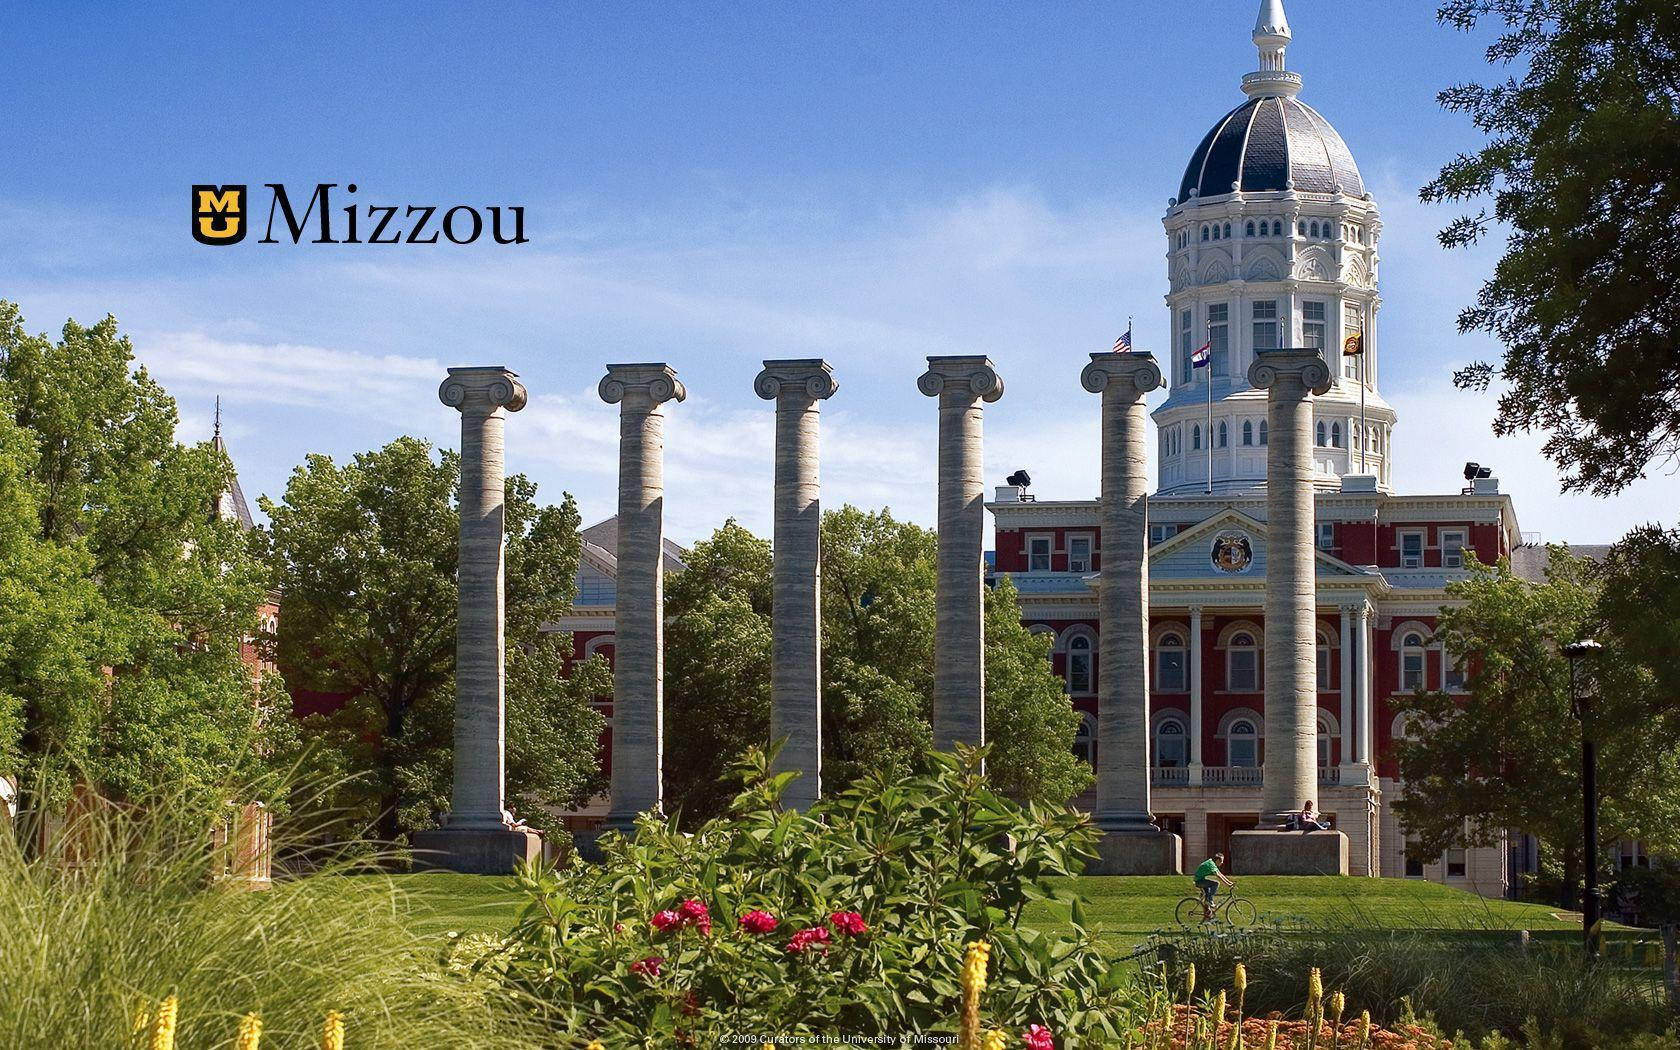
(1364, 434)
(1208, 435)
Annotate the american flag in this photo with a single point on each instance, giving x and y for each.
(1123, 345)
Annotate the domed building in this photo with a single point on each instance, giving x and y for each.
(1271, 241)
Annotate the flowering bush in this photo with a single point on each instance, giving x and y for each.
(877, 889)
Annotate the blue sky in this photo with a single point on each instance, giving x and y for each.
(709, 185)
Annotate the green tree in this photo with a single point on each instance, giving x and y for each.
(366, 553)
(1508, 753)
(123, 600)
(878, 613)
(1583, 146)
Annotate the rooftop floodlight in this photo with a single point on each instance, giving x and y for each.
(1470, 470)
(1020, 478)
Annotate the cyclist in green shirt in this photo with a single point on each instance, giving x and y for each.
(1208, 878)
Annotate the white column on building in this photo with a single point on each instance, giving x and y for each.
(1362, 747)
(640, 391)
(1345, 659)
(798, 387)
(963, 385)
(1195, 694)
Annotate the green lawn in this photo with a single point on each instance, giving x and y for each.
(1121, 909)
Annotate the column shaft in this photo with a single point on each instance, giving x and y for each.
(1363, 707)
(480, 701)
(1195, 692)
(1345, 659)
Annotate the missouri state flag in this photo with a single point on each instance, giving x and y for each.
(1202, 356)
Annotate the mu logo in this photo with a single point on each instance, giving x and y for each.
(218, 214)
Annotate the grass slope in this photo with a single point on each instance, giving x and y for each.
(1121, 909)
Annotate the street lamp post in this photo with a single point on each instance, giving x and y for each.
(1578, 705)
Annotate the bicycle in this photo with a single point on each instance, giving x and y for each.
(1227, 907)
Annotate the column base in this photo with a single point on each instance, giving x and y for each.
(474, 851)
(1356, 774)
(1137, 853)
(1289, 853)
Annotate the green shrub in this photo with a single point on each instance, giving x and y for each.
(121, 910)
(924, 864)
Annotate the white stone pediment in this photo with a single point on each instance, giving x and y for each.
(1231, 548)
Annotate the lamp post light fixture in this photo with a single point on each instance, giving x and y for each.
(1579, 707)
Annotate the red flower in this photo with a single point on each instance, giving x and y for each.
(759, 922)
(1038, 1037)
(693, 910)
(849, 923)
(804, 939)
(648, 967)
(666, 919)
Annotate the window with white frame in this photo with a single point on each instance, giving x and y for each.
(1186, 345)
(1452, 672)
(1079, 676)
(1169, 664)
(1335, 435)
(1352, 324)
(1171, 744)
(1242, 664)
(1085, 739)
(1320, 434)
(1325, 736)
(1196, 437)
(1038, 552)
(1219, 338)
(1411, 662)
(1161, 532)
(1242, 744)
(1224, 435)
(1312, 324)
(1456, 863)
(1262, 432)
(1079, 552)
(1326, 684)
(1326, 535)
(1248, 432)
(1265, 316)
(1453, 542)
(1411, 550)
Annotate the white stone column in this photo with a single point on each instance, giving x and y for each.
(1344, 657)
(484, 397)
(1195, 695)
(963, 386)
(1364, 704)
(640, 391)
(797, 387)
(1291, 378)
(1123, 590)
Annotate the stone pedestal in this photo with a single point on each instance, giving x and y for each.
(1131, 844)
(797, 387)
(1290, 378)
(1289, 853)
(638, 727)
(477, 811)
(963, 386)
(475, 851)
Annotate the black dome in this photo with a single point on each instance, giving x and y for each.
(1266, 142)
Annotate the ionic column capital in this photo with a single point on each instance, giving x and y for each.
(485, 388)
(972, 375)
(811, 376)
(1131, 375)
(1305, 366)
(656, 382)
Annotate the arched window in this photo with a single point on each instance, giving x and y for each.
(1248, 431)
(1224, 434)
(1314, 229)
(1216, 231)
(1242, 744)
(1336, 435)
(1325, 683)
(1227, 231)
(1196, 437)
(1411, 662)
(1085, 739)
(1358, 436)
(1171, 745)
(1262, 432)
(1242, 664)
(1079, 676)
(1321, 433)
(1204, 233)
(1301, 228)
(1169, 664)
(1326, 734)
(1249, 230)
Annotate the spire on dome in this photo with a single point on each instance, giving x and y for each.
(1271, 36)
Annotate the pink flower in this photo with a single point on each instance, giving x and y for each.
(849, 923)
(1038, 1037)
(666, 919)
(758, 922)
(693, 910)
(804, 939)
(648, 967)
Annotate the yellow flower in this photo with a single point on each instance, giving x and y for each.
(1218, 1009)
(997, 1040)
(250, 1033)
(1364, 1028)
(332, 1031)
(1315, 989)
(973, 983)
(1190, 983)
(142, 1017)
(596, 1044)
(1338, 1003)
(1271, 1036)
(163, 1024)
(1241, 979)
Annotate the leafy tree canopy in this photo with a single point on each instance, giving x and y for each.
(1583, 147)
(367, 552)
(878, 579)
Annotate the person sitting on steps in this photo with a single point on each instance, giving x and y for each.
(1307, 820)
(1206, 874)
